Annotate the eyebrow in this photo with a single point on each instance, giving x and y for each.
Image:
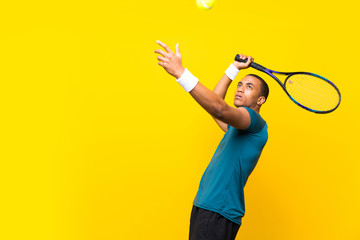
(246, 83)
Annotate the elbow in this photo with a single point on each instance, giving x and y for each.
(219, 112)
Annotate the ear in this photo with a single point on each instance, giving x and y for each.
(261, 100)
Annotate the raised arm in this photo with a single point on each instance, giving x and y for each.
(224, 83)
(221, 89)
(210, 101)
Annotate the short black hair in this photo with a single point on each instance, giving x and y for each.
(264, 89)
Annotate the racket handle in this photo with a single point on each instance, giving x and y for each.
(252, 64)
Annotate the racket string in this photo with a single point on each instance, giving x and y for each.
(312, 92)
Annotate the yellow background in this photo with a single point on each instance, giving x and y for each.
(99, 142)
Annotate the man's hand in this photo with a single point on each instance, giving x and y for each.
(241, 65)
(171, 62)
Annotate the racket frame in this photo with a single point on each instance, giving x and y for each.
(289, 74)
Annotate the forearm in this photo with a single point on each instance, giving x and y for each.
(222, 86)
(221, 89)
(224, 83)
(212, 101)
(208, 100)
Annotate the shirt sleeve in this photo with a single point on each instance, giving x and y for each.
(256, 121)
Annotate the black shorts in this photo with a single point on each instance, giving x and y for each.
(209, 225)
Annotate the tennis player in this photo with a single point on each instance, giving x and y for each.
(219, 204)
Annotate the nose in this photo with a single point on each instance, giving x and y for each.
(240, 89)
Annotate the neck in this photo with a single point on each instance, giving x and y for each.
(256, 108)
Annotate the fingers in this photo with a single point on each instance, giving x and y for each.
(161, 58)
(168, 57)
(246, 57)
(244, 61)
(243, 57)
(165, 46)
(164, 54)
(161, 64)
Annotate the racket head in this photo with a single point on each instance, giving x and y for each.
(312, 92)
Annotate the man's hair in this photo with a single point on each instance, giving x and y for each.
(264, 89)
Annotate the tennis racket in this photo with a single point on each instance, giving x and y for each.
(308, 90)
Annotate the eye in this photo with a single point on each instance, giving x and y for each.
(249, 87)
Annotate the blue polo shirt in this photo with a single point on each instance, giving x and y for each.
(222, 185)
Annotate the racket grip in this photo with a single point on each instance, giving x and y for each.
(252, 64)
(237, 58)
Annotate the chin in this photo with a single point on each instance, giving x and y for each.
(238, 105)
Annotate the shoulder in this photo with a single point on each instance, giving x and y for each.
(256, 121)
(236, 117)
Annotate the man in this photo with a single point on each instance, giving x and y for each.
(219, 203)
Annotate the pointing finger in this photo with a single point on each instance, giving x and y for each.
(165, 46)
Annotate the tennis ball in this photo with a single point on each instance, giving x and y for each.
(205, 4)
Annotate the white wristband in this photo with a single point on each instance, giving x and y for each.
(187, 80)
(232, 71)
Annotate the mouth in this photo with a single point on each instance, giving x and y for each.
(238, 96)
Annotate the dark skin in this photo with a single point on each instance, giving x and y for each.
(247, 93)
